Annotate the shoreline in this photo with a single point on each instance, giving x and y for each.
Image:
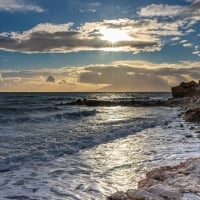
(179, 182)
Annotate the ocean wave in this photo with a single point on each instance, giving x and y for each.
(43, 146)
(37, 118)
(78, 114)
(32, 148)
(23, 109)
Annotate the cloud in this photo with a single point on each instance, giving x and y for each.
(191, 11)
(19, 6)
(95, 4)
(183, 41)
(188, 14)
(117, 76)
(190, 31)
(122, 79)
(175, 39)
(87, 10)
(188, 45)
(50, 79)
(89, 7)
(140, 75)
(142, 36)
(157, 10)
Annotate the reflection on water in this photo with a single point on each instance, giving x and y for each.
(122, 163)
(97, 172)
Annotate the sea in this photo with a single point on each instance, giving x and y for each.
(53, 151)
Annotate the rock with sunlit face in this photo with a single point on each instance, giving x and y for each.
(179, 182)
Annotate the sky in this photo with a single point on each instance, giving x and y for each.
(93, 45)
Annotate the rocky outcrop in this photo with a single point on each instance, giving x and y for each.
(193, 115)
(181, 182)
(187, 95)
(186, 89)
(192, 108)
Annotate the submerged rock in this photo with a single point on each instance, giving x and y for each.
(179, 182)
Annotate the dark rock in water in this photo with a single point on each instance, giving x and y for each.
(4, 168)
(186, 89)
(34, 190)
(181, 125)
(19, 183)
(189, 136)
(193, 115)
(18, 197)
(91, 102)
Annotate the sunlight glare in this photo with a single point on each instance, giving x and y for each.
(114, 35)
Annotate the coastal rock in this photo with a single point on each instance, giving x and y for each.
(135, 103)
(193, 115)
(192, 109)
(179, 182)
(188, 89)
(187, 96)
(119, 196)
(140, 194)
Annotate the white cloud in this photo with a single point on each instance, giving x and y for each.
(143, 36)
(19, 6)
(191, 11)
(188, 14)
(95, 4)
(175, 39)
(196, 47)
(183, 41)
(196, 52)
(190, 30)
(87, 10)
(187, 45)
(117, 76)
(156, 10)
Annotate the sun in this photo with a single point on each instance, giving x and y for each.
(114, 35)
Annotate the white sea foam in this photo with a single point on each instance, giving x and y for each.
(86, 153)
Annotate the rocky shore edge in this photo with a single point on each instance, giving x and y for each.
(180, 182)
(187, 97)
